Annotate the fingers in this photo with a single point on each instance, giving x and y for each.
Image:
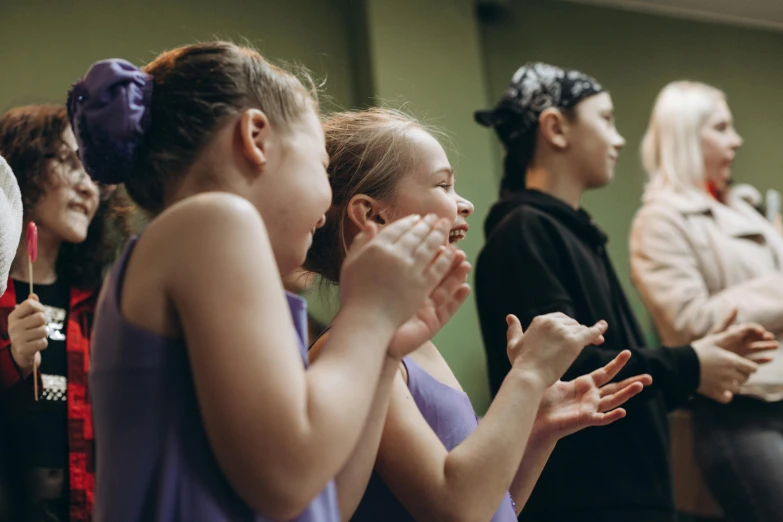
(762, 346)
(28, 307)
(452, 291)
(364, 237)
(721, 396)
(604, 419)
(436, 272)
(392, 232)
(742, 365)
(754, 331)
(603, 375)
(431, 249)
(38, 344)
(34, 334)
(514, 332)
(727, 321)
(621, 397)
(34, 320)
(609, 389)
(417, 236)
(593, 334)
(454, 279)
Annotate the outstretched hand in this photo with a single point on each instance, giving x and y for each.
(568, 407)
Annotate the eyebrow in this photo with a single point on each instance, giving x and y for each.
(447, 170)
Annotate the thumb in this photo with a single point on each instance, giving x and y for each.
(364, 237)
(594, 334)
(743, 365)
(514, 331)
(727, 321)
(34, 297)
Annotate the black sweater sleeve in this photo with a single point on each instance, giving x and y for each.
(522, 272)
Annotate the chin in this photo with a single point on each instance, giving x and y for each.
(74, 236)
(600, 182)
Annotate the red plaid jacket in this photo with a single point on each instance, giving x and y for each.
(81, 470)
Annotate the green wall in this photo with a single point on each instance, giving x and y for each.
(46, 45)
(634, 56)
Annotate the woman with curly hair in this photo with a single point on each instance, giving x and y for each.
(47, 442)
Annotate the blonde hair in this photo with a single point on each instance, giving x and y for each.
(369, 153)
(671, 148)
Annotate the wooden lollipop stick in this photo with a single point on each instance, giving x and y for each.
(32, 255)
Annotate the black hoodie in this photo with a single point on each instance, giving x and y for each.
(543, 256)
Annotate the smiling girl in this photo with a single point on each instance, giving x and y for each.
(50, 441)
(435, 461)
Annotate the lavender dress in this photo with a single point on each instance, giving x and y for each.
(154, 462)
(451, 416)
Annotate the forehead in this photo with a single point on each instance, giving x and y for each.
(599, 103)
(720, 110)
(428, 153)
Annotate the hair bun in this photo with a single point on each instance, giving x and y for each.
(109, 112)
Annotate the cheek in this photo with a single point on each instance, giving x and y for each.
(710, 148)
(50, 208)
(435, 201)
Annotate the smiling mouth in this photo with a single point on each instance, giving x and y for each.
(80, 208)
(457, 235)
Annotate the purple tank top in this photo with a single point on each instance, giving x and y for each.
(154, 462)
(452, 417)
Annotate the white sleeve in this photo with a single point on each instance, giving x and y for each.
(10, 220)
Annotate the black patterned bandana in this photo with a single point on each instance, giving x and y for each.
(534, 88)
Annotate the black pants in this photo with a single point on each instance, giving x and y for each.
(739, 448)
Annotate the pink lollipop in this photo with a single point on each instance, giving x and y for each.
(32, 249)
(32, 255)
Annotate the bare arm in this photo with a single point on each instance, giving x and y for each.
(568, 407)
(280, 433)
(533, 461)
(469, 482)
(353, 478)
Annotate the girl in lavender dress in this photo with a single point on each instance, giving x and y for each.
(435, 461)
(204, 409)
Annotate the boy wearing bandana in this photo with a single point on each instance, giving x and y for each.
(544, 254)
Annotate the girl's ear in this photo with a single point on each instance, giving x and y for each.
(362, 210)
(254, 137)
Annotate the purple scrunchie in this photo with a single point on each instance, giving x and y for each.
(109, 113)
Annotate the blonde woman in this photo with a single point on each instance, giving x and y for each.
(702, 259)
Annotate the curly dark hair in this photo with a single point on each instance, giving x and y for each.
(30, 139)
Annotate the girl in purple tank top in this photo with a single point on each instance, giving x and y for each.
(435, 460)
(203, 408)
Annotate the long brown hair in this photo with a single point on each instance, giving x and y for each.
(30, 140)
(369, 153)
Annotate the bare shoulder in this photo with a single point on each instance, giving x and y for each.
(198, 239)
(205, 212)
(432, 361)
(209, 222)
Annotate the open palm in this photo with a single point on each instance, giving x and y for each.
(436, 311)
(568, 407)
